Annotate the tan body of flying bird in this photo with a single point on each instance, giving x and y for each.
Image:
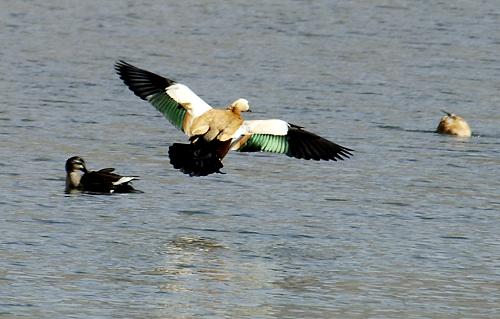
(213, 132)
(454, 125)
(220, 124)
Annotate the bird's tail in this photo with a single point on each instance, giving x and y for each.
(199, 158)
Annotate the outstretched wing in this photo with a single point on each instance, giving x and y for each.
(174, 100)
(278, 136)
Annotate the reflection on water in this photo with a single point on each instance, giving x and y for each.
(407, 228)
(194, 257)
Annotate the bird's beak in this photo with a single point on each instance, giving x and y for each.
(447, 113)
(81, 167)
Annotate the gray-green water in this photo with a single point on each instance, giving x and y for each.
(408, 228)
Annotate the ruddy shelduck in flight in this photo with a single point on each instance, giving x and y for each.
(213, 132)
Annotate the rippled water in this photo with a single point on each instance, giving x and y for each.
(408, 228)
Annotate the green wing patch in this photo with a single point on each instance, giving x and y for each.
(169, 108)
(266, 143)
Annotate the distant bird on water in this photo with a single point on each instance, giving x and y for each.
(454, 125)
(101, 181)
(213, 132)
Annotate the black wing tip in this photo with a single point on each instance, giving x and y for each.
(142, 82)
(346, 152)
(121, 63)
(307, 145)
(122, 67)
(339, 153)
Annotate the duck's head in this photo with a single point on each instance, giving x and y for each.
(240, 105)
(75, 163)
(454, 125)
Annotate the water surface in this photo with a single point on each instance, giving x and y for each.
(407, 228)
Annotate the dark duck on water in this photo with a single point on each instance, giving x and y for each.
(101, 181)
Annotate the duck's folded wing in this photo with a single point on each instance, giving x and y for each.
(173, 100)
(106, 177)
(278, 136)
(103, 176)
(103, 181)
(106, 170)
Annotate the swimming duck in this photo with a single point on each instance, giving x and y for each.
(454, 125)
(101, 181)
(213, 132)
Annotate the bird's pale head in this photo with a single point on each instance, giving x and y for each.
(240, 105)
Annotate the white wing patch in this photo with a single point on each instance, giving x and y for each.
(124, 179)
(273, 127)
(188, 99)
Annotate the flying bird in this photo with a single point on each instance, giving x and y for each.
(101, 181)
(213, 132)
